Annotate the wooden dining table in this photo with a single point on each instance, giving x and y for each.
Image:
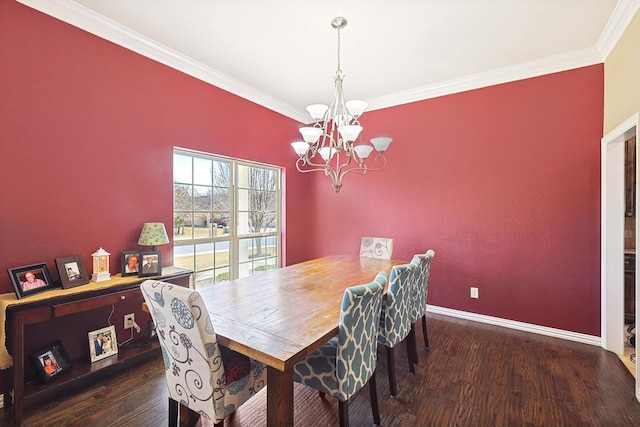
(281, 316)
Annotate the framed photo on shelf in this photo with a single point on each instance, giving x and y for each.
(51, 361)
(30, 279)
(151, 264)
(72, 271)
(130, 262)
(103, 343)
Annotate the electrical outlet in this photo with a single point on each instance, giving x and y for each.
(474, 292)
(129, 320)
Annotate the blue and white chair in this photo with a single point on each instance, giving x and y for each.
(419, 310)
(395, 320)
(201, 375)
(345, 364)
(376, 247)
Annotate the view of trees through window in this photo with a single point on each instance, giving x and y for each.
(226, 215)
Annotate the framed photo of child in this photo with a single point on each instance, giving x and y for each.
(51, 361)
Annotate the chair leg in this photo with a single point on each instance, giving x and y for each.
(414, 344)
(391, 367)
(343, 409)
(424, 332)
(408, 341)
(173, 412)
(373, 393)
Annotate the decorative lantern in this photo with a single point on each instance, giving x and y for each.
(100, 266)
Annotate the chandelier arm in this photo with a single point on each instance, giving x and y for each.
(363, 168)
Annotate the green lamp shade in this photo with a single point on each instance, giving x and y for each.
(153, 234)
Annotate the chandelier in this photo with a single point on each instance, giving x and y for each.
(330, 144)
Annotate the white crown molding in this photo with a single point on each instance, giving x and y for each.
(553, 64)
(511, 324)
(620, 18)
(79, 16)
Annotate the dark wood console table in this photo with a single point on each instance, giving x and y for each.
(40, 316)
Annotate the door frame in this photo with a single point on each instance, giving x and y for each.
(612, 238)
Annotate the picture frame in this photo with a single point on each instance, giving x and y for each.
(151, 264)
(130, 270)
(30, 279)
(72, 271)
(51, 361)
(103, 343)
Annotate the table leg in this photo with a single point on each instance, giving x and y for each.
(279, 398)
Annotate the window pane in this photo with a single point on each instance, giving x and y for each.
(201, 198)
(182, 229)
(261, 179)
(202, 279)
(221, 199)
(182, 197)
(222, 258)
(202, 169)
(182, 170)
(183, 257)
(221, 274)
(221, 174)
(204, 256)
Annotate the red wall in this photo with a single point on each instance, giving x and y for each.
(87, 130)
(502, 182)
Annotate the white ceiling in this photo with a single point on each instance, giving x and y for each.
(283, 53)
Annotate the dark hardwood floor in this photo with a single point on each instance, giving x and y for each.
(474, 375)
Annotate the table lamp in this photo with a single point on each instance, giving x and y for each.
(153, 234)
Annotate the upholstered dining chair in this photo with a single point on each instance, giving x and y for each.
(344, 364)
(201, 375)
(419, 310)
(395, 320)
(376, 247)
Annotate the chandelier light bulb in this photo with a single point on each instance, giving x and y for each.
(350, 133)
(300, 147)
(356, 107)
(310, 134)
(363, 151)
(317, 111)
(381, 143)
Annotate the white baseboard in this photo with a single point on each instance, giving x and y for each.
(512, 324)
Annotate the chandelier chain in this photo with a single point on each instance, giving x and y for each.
(339, 71)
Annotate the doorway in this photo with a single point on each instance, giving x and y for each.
(612, 237)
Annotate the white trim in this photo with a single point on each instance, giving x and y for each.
(512, 324)
(94, 23)
(553, 64)
(91, 21)
(616, 26)
(612, 238)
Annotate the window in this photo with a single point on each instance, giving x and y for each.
(226, 217)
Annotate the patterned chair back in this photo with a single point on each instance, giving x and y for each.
(376, 247)
(423, 261)
(194, 367)
(399, 304)
(357, 336)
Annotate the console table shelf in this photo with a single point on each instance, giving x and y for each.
(73, 305)
(82, 371)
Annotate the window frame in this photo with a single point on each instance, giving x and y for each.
(240, 264)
